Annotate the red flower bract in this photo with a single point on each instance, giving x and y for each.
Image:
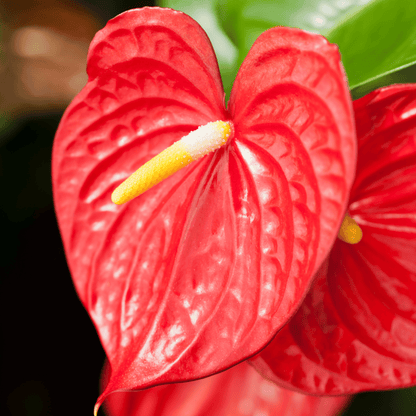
(356, 329)
(239, 391)
(200, 272)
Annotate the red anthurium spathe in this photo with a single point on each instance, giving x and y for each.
(356, 329)
(239, 391)
(200, 272)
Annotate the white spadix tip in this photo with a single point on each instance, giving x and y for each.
(205, 139)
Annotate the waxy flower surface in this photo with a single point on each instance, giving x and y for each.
(356, 329)
(199, 272)
(360, 304)
(239, 391)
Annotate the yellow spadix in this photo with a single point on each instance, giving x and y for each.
(196, 144)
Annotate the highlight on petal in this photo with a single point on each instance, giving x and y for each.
(199, 272)
(356, 329)
(291, 108)
(239, 391)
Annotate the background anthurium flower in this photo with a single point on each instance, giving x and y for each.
(200, 272)
(356, 329)
(239, 391)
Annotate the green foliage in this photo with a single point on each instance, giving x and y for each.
(246, 20)
(206, 14)
(377, 42)
(377, 39)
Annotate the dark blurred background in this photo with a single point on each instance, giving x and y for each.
(51, 357)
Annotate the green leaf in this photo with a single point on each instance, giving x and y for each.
(245, 20)
(205, 13)
(313, 15)
(377, 41)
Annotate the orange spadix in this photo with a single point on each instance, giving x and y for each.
(350, 232)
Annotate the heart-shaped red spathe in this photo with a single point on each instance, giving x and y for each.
(200, 272)
(356, 329)
(239, 391)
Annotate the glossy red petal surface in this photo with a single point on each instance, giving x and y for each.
(356, 329)
(290, 98)
(239, 391)
(199, 272)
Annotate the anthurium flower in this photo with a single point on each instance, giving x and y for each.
(199, 272)
(239, 391)
(356, 329)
